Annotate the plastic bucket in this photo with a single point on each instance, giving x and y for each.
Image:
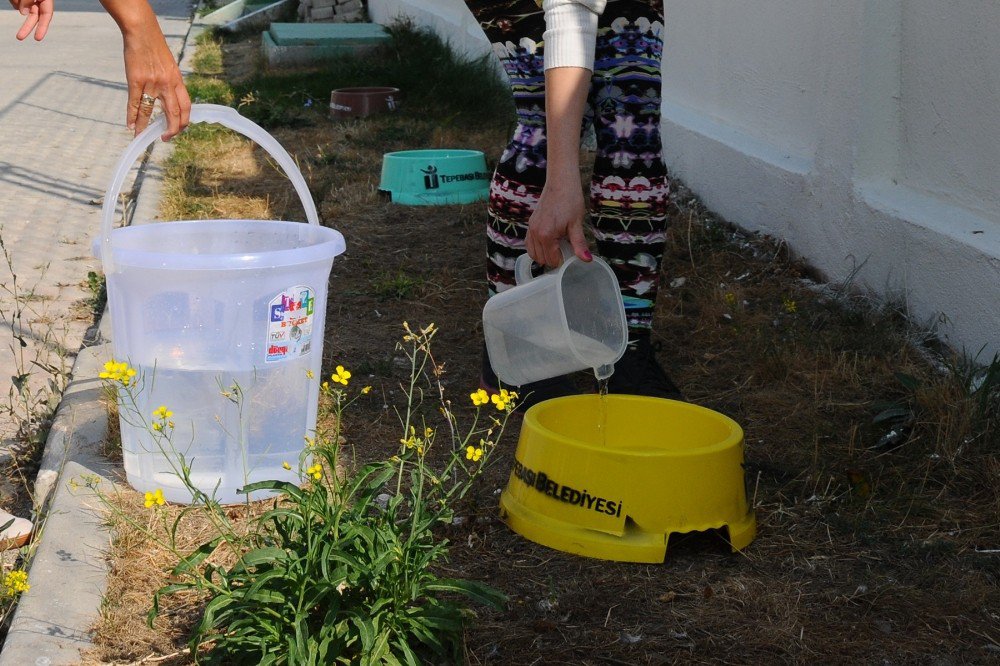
(435, 177)
(563, 321)
(223, 321)
(363, 102)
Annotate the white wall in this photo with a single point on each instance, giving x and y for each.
(863, 132)
(449, 18)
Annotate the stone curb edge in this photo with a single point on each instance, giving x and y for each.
(68, 572)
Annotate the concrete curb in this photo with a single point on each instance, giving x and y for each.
(68, 572)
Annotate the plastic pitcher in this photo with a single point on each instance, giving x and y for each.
(569, 319)
(223, 321)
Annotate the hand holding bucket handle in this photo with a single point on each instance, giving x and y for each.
(522, 267)
(200, 113)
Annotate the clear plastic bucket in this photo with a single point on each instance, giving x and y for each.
(223, 322)
(563, 321)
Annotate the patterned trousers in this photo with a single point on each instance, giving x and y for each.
(629, 186)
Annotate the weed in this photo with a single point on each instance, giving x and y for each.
(207, 59)
(41, 371)
(445, 86)
(208, 6)
(399, 286)
(208, 90)
(341, 568)
(97, 286)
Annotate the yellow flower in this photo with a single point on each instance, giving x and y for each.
(428, 432)
(730, 298)
(162, 412)
(480, 397)
(118, 371)
(155, 498)
(16, 582)
(325, 385)
(504, 400)
(158, 427)
(340, 376)
(473, 453)
(309, 374)
(315, 471)
(790, 306)
(366, 390)
(412, 441)
(286, 465)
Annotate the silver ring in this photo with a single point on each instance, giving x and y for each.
(147, 100)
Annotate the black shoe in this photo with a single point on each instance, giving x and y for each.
(530, 394)
(639, 373)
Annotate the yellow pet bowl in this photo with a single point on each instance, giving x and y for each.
(613, 478)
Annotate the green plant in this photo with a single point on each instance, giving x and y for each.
(97, 286)
(981, 385)
(209, 90)
(341, 569)
(388, 286)
(437, 82)
(32, 399)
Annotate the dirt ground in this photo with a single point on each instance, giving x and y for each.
(871, 547)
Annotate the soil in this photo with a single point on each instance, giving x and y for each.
(866, 552)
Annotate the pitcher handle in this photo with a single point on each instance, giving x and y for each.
(200, 113)
(522, 267)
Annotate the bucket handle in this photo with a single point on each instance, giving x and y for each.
(522, 266)
(200, 113)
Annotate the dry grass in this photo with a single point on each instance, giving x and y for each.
(865, 553)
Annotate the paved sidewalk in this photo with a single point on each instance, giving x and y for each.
(62, 111)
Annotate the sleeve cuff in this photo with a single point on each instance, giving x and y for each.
(570, 36)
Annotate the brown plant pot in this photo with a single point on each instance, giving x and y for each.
(363, 102)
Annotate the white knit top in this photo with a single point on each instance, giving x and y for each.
(571, 32)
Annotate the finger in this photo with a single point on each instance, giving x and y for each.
(541, 252)
(185, 103)
(142, 116)
(24, 6)
(530, 247)
(45, 13)
(553, 254)
(132, 109)
(172, 111)
(579, 243)
(27, 26)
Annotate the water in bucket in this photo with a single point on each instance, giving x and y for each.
(569, 319)
(223, 321)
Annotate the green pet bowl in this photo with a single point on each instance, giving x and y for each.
(435, 177)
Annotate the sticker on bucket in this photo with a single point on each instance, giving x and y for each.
(290, 326)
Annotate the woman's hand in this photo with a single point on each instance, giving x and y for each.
(559, 215)
(150, 69)
(37, 16)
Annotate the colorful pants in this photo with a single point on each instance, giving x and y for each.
(629, 187)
